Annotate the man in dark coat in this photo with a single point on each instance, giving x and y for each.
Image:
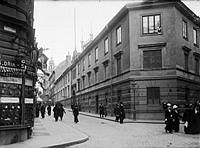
(117, 112)
(49, 110)
(42, 110)
(122, 113)
(169, 119)
(75, 113)
(101, 110)
(37, 110)
(56, 112)
(61, 112)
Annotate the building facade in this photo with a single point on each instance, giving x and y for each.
(148, 54)
(18, 57)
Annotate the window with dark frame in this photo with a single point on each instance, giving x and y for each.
(79, 84)
(83, 64)
(89, 78)
(151, 24)
(195, 40)
(105, 71)
(118, 59)
(186, 55)
(96, 54)
(106, 46)
(153, 95)
(83, 82)
(79, 69)
(185, 30)
(152, 59)
(197, 65)
(96, 76)
(119, 35)
(89, 60)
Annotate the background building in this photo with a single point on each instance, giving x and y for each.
(17, 70)
(148, 54)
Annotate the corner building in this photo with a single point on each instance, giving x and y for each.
(17, 70)
(146, 55)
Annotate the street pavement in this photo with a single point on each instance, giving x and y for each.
(48, 133)
(104, 133)
(94, 132)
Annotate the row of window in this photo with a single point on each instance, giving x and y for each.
(185, 33)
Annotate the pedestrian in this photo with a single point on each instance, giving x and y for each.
(117, 112)
(105, 111)
(42, 110)
(168, 119)
(101, 110)
(49, 110)
(75, 113)
(176, 118)
(37, 110)
(56, 112)
(61, 111)
(122, 113)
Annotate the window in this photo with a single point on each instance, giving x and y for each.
(185, 33)
(196, 65)
(105, 46)
(186, 61)
(96, 54)
(105, 71)
(73, 73)
(151, 24)
(83, 64)
(89, 60)
(89, 78)
(153, 95)
(96, 76)
(79, 84)
(83, 82)
(119, 35)
(152, 59)
(118, 64)
(79, 69)
(9, 29)
(195, 36)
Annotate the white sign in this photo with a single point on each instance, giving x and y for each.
(11, 80)
(9, 100)
(28, 101)
(28, 82)
(9, 29)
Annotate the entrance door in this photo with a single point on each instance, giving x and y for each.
(97, 104)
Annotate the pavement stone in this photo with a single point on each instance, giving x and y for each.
(49, 134)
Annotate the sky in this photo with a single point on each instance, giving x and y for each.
(54, 23)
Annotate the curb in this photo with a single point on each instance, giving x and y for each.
(68, 144)
(149, 122)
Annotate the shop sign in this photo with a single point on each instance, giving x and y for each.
(9, 100)
(11, 80)
(28, 100)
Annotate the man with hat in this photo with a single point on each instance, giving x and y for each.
(168, 119)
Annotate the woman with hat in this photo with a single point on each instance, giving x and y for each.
(176, 118)
(168, 119)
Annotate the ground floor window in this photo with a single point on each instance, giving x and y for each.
(153, 95)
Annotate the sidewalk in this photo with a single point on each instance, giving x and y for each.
(48, 133)
(125, 120)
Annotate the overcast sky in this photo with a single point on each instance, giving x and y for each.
(54, 23)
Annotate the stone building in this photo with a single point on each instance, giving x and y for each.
(18, 57)
(146, 55)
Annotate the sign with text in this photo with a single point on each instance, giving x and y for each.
(28, 100)
(9, 100)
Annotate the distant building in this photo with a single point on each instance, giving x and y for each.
(146, 55)
(51, 65)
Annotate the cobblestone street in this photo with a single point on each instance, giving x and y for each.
(108, 134)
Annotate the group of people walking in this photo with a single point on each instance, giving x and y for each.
(119, 112)
(102, 111)
(191, 119)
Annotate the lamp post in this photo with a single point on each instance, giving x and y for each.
(133, 84)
